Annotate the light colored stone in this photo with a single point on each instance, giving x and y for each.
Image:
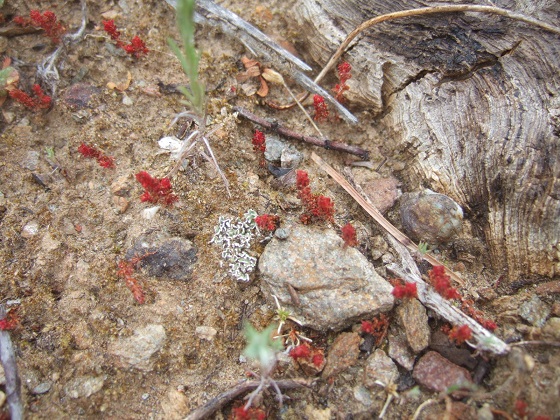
(84, 386)
(205, 333)
(336, 286)
(136, 351)
(412, 317)
(380, 368)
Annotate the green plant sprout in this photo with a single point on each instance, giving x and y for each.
(282, 314)
(423, 247)
(49, 150)
(263, 348)
(195, 95)
(189, 60)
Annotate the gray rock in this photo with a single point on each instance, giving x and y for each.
(430, 217)
(336, 286)
(170, 257)
(42, 388)
(274, 148)
(412, 316)
(399, 350)
(534, 311)
(79, 95)
(290, 157)
(84, 386)
(380, 367)
(31, 160)
(136, 351)
(362, 395)
(437, 373)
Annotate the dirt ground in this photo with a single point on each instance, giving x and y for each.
(64, 229)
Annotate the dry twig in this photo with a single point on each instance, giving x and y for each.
(262, 46)
(223, 399)
(485, 340)
(316, 141)
(378, 217)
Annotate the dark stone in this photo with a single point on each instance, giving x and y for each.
(164, 257)
(437, 373)
(78, 96)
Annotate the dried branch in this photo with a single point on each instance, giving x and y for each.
(13, 383)
(485, 340)
(262, 46)
(316, 141)
(378, 217)
(222, 400)
(409, 272)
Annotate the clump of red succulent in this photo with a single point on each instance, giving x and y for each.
(259, 141)
(321, 109)
(10, 321)
(252, 413)
(349, 235)
(467, 306)
(343, 70)
(267, 222)
(46, 21)
(136, 47)
(404, 290)
(156, 190)
(460, 334)
(93, 153)
(377, 328)
(126, 272)
(40, 101)
(311, 359)
(317, 206)
(259, 146)
(442, 283)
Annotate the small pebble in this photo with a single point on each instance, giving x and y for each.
(362, 395)
(437, 373)
(127, 100)
(430, 217)
(150, 212)
(282, 233)
(31, 160)
(42, 388)
(30, 229)
(343, 353)
(534, 311)
(380, 367)
(205, 333)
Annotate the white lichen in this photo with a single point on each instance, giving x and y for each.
(235, 236)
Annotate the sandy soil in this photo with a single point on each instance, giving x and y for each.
(73, 305)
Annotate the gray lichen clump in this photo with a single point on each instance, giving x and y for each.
(235, 236)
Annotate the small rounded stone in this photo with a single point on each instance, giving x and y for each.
(430, 217)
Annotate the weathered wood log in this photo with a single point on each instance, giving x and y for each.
(471, 103)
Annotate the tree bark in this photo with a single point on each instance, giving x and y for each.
(470, 102)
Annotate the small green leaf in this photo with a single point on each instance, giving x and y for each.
(261, 346)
